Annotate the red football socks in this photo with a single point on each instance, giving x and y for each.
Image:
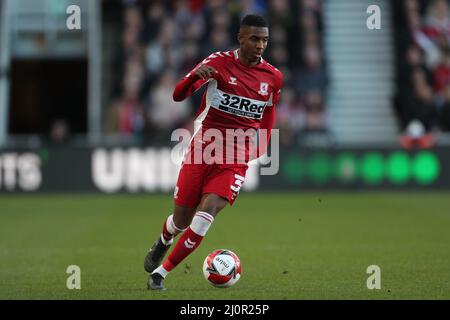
(189, 240)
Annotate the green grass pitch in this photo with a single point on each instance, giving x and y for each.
(291, 245)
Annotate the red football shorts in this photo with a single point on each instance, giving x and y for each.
(195, 180)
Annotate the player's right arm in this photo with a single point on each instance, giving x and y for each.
(193, 81)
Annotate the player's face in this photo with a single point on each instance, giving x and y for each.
(253, 41)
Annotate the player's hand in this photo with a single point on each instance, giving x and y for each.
(205, 72)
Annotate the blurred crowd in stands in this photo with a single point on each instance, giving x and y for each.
(423, 54)
(161, 41)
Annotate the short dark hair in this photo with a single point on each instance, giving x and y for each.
(254, 20)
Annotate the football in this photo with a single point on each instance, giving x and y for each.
(222, 268)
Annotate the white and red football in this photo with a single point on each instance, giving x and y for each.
(222, 268)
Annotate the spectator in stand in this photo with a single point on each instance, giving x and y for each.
(59, 132)
(155, 15)
(290, 116)
(190, 57)
(437, 19)
(315, 120)
(126, 116)
(415, 136)
(432, 53)
(441, 75)
(252, 7)
(421, 104)
(164, 114)
(313, 76)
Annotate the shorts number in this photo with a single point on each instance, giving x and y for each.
(237, 183)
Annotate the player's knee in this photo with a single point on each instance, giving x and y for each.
(183, 216)
(212, 204)
(182, 222)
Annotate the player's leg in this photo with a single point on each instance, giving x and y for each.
(175, 224)
(209, 207)
(187, 196)
(222, 187)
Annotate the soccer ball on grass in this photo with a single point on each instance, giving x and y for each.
(222, 268)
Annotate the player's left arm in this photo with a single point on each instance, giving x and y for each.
(268, 118)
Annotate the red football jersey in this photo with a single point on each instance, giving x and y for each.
(237, 96)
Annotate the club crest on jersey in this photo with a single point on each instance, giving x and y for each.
(263, 89)
(233, 81)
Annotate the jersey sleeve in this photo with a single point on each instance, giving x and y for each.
(268, 118)
(269, 112)
(275, 96)
(190, 83)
